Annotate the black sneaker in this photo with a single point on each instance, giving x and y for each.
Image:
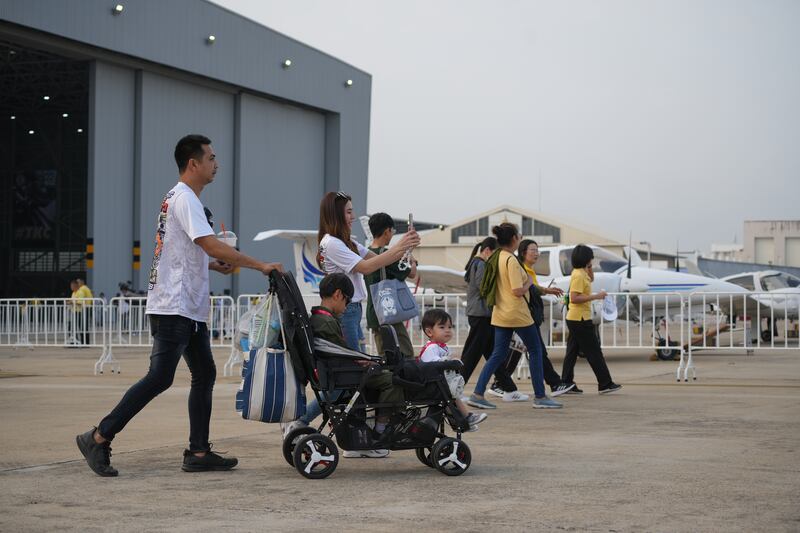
(574, 390)
(98, 456)
(562, 388)
(496, 390)
(611, 387)
(209, 462)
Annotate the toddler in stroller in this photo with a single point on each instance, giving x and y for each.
(416, 423)
(437, 325)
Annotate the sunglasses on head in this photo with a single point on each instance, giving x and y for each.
(344, 195)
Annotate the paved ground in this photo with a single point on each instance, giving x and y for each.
(720, 454)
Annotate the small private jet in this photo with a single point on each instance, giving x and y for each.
(778, 291)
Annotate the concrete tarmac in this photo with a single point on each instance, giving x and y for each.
(719, 454)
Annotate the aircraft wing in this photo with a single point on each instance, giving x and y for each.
(441, 279)
(285, 234)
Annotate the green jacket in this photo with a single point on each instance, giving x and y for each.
(392, 272)
(489, 282)
(326, 326)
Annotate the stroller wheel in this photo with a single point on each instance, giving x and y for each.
(450, 456)
(291, 441)
(424, 456)
(315, 456)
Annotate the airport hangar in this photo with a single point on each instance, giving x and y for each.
(94, 97)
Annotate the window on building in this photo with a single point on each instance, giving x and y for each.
(483, 226)
(467, 230)
(541, 229)
(527, 226)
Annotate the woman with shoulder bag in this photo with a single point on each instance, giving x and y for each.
(480, 339)
(528, 254)
(339, 252)
(510, 315)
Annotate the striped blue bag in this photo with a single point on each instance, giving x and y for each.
(269, 391)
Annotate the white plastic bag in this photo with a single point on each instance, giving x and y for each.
(265, 325)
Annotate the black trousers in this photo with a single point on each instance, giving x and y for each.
(173, 336)
(583, 338)
(551, 377)
(480, 343)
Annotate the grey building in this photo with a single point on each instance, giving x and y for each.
(94, 96)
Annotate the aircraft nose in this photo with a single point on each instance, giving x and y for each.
(632, 285)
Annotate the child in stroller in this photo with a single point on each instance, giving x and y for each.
(416, 423)
(437, 325)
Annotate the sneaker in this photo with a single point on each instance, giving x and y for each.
(291, 426)
(480, 403)
(611, 387)
(574, 389)
(370, 454)
(476, 418)
(98, 456)
(496, 390)
(515, 396)
(563, 388)
(546, 403)
(209, 462)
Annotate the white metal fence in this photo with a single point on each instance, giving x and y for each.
(671, 324)
(740, 321)
(654, 321)
(52, 322)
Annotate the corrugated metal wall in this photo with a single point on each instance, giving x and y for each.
(282, 177)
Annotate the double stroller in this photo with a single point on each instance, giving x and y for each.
(349, 409)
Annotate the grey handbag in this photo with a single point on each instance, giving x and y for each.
(392, 300)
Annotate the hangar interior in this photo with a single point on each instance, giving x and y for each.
(43, 169)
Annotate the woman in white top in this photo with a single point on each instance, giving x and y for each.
(339, 252)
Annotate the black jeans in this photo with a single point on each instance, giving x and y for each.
(173, 336)
(583, 338)
(551, 377)
(480, 343)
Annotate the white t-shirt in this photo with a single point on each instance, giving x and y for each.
(179, 275)
(338, 258)
(433, 352)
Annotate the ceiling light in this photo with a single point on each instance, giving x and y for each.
(30, 132)
(45, 98)
(13, 117)
(348, 83)
(287, 63)
(119, 8)
(65, 115)
(80, 130)
(210, 39)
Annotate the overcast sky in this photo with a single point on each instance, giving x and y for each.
(677, 120)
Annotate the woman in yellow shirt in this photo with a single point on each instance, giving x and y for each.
(510, 315)
(582, 337)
